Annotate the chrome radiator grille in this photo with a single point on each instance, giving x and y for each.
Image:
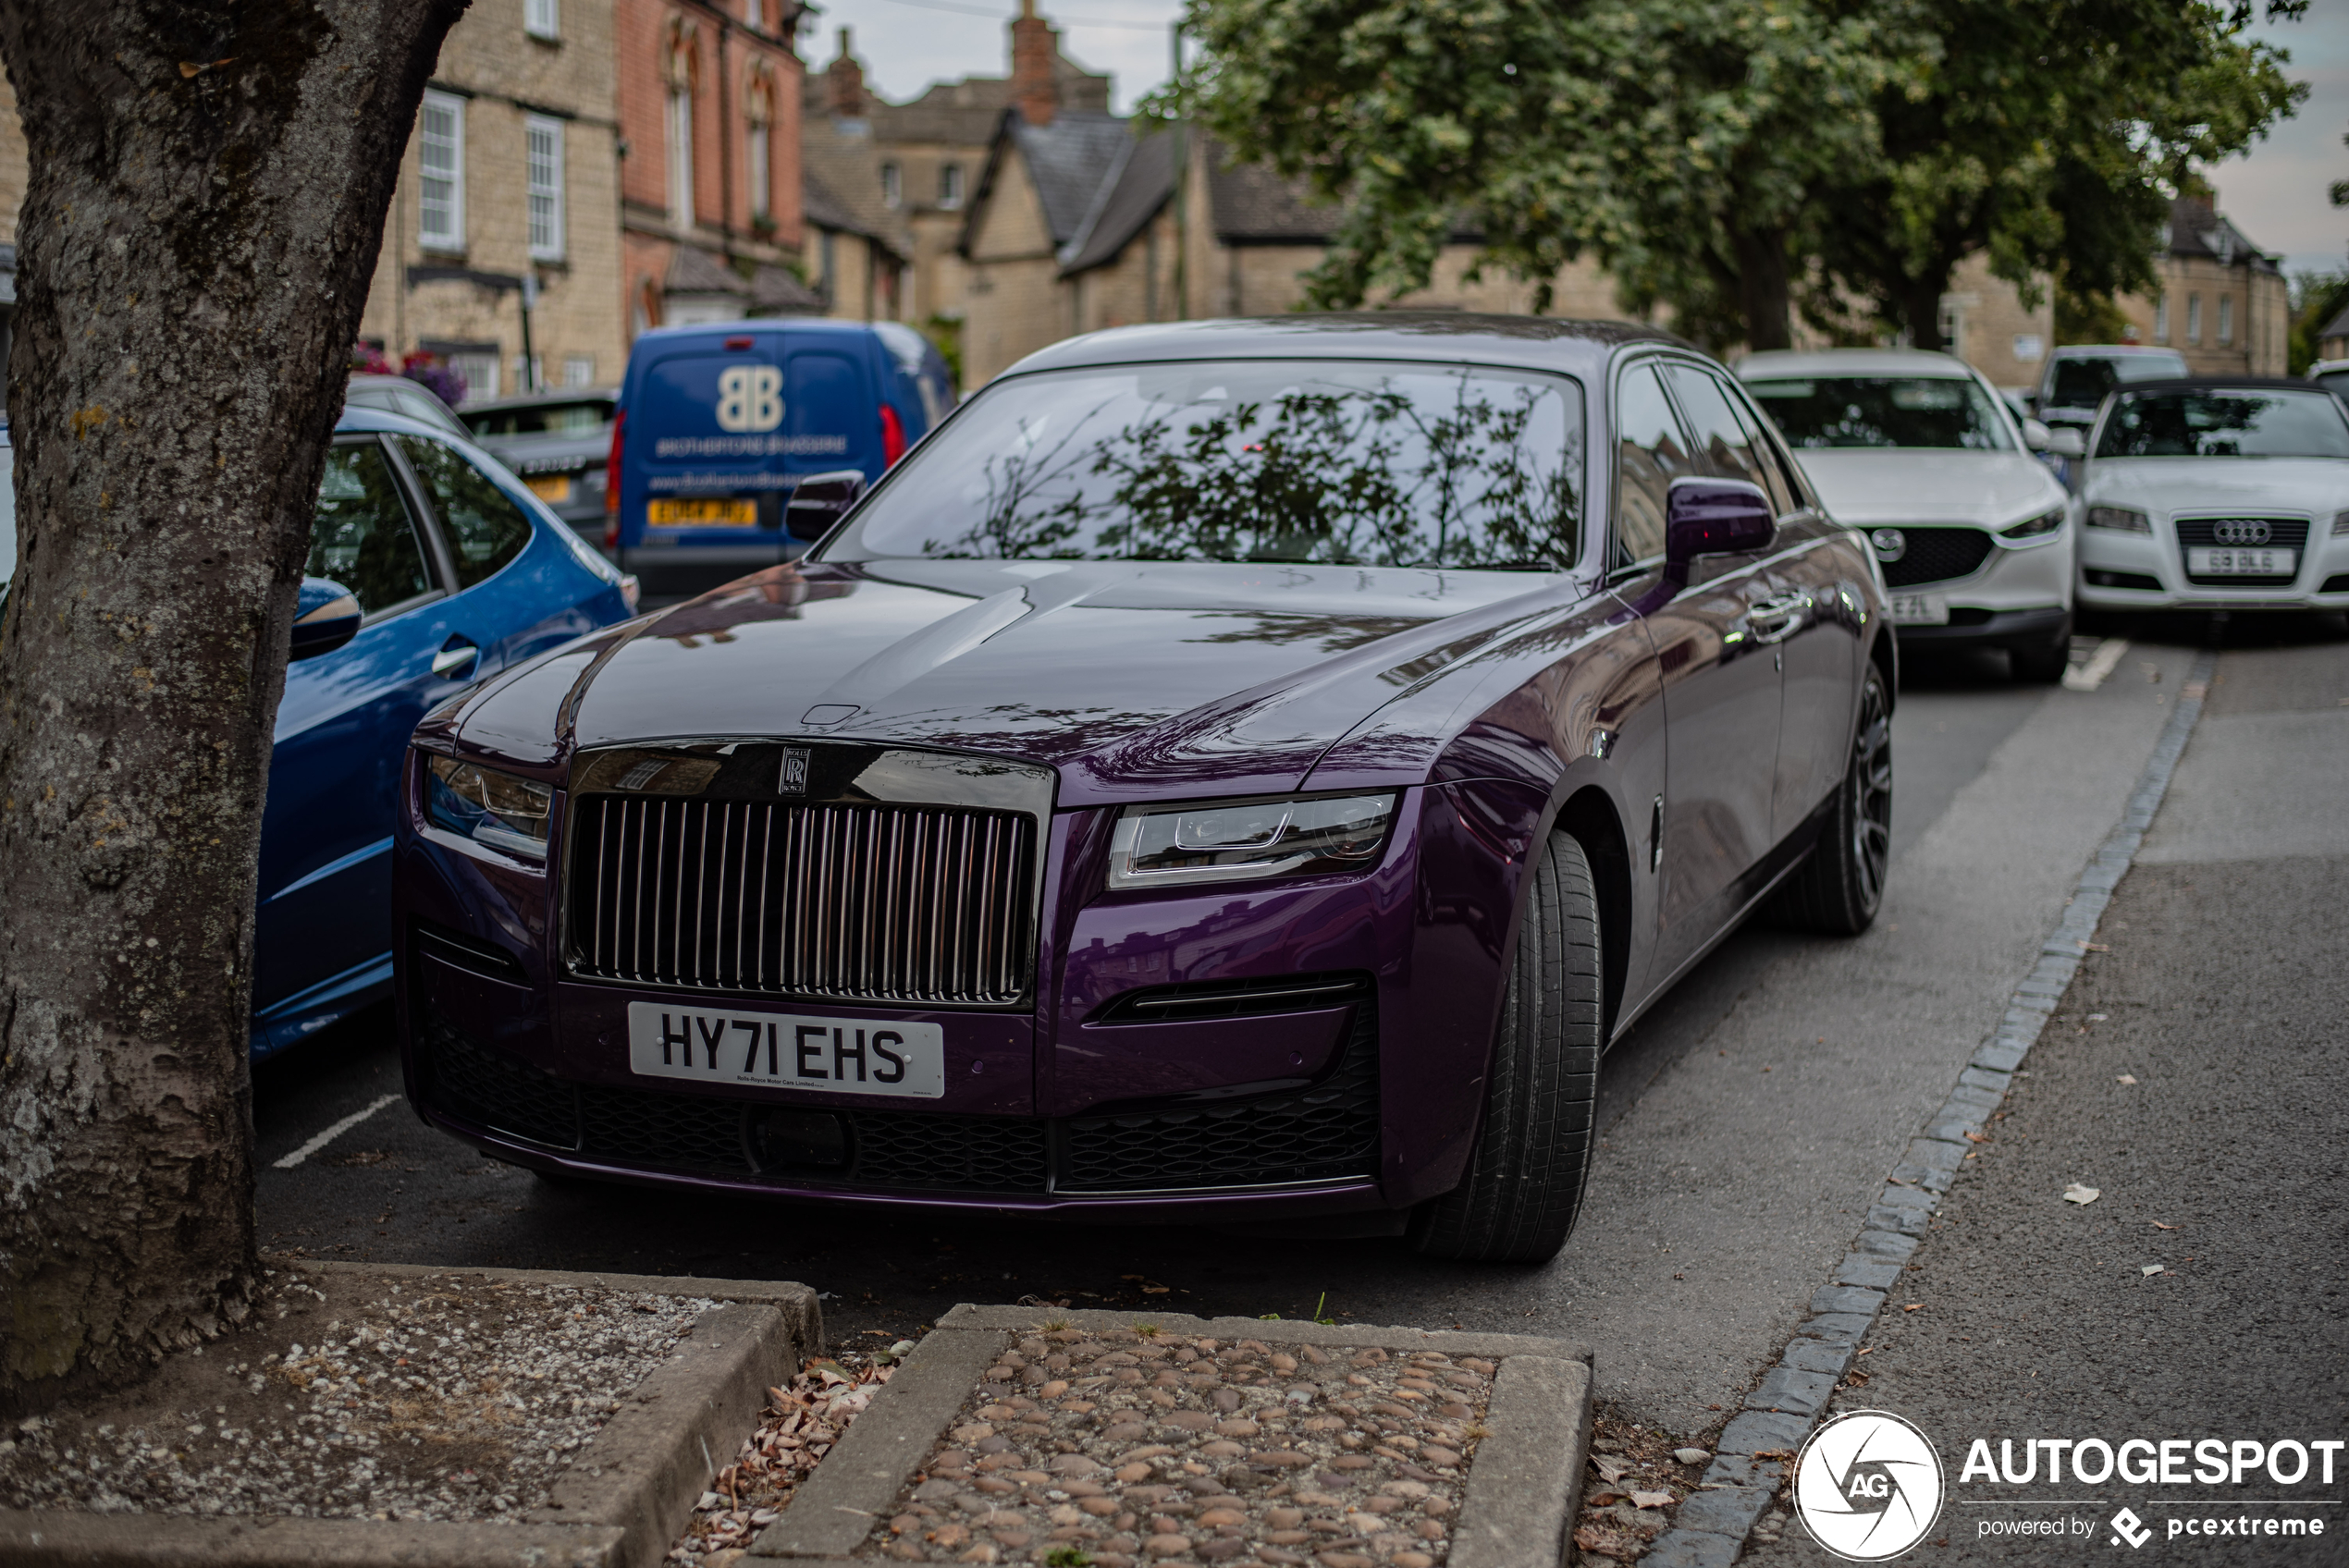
(865, 902)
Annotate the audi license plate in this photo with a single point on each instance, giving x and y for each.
(2237, 561)
(1919, 609)
(785, 1050)
(701, 514)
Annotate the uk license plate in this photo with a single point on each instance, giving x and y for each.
(703, 514)
(552, 488)
(1919, 609)
(2237, 561)
(786, 1050)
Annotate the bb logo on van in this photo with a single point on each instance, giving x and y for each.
(750, 398)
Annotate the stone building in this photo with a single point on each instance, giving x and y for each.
(505, 226)
(859, 243)
(2219, 299)
(709, 105)
(927, 154)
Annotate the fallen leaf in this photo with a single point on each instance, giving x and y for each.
(1977, 1137)
(1611, 1467)
(2159, 1225)
(1773, 1453)
(2074, 1192)
(2098, 1017)
(1651, 1499)
(2150, 1269)
(1865, 1350)
(2096, 948)
(1601, 1497)
(2126, 1078)
(1857, 1379)
(1915, 1306)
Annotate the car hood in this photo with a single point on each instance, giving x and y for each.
(2310, 487)
(1128, 677)
(1871, 484)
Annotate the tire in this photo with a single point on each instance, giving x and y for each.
(2042, 666)
(1837, 891)
(1524, 1186)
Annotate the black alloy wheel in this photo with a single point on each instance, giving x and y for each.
(1837, 891)
(1525, 1179)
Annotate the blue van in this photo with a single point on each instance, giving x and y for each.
(720, 424)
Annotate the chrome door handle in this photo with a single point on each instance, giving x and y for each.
(1777, 618)
(454, 658)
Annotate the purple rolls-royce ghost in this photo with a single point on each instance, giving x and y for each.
(1238, 770)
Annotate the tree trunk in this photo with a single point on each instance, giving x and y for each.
(1921, 308)
(208, 190)
(1764, 291)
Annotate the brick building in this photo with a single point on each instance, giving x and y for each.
(509, 198)
(710, 213)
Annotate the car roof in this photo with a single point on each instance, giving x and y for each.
(537, 399)
(2107, 350)
(2218, 384)
(1856, 362)
(2328, 367)
(357, 418)
(1531, 342)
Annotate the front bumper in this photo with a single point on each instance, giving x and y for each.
(1991, 628)
(2020, 596)
(1059, 1109)
(2146, 571)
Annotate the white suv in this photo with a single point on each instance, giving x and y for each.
(1972, 531)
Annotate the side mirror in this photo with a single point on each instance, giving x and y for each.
(326, 617)
(1716, 517)
(820, 500)
(2037, 436)
(2068, 442)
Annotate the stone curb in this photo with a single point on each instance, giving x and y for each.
(651, 1461)
(1711, 1525)
(1523, 1491)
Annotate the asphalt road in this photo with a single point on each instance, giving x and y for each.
(2197, 1077)
(1746, 1121)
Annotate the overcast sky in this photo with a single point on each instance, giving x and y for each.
(2276, 193)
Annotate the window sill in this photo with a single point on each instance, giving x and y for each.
(550, 39)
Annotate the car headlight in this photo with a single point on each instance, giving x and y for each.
(2128, 519)
(1240, 840)
(494, 809)
(2034, 527)
(2340, 525)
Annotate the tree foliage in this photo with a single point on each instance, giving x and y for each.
(1736, 160)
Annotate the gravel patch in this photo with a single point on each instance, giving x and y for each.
(1125, 1446)
(433, 1398)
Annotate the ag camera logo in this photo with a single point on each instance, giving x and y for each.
(1868, 1485)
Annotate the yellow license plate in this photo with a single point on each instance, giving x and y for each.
(703, 514)
(552, 488)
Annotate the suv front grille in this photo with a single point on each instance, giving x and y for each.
(1936, 554)
(887, 903)
(2202, 533)
(1321, 1132)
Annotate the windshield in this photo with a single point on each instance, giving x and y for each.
(544, 419)
(2220, 423)
(1336, 462)
(2334, 381)
(1885, 410)
(2082, 383)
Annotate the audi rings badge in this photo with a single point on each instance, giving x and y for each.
(2242, 531)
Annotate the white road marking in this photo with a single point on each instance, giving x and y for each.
(287, 1162)
(2090, 675)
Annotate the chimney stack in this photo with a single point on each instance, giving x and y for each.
(1035, 51)
(844, 82)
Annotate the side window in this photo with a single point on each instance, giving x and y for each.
(1651, 451)
(485, 528)
(1769, 456)
(362, 536)
(1721, 440)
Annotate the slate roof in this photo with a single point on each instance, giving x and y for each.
(841, 187)
(692, 270)
(967, 112)
(2337, 327)
(1128, 199)
(774, 291)
(2198, 228)
(1070, 160)
(1251, 205)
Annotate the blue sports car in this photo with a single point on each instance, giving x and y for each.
(430, 567)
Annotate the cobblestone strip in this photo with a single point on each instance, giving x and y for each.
(1709, 1529)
